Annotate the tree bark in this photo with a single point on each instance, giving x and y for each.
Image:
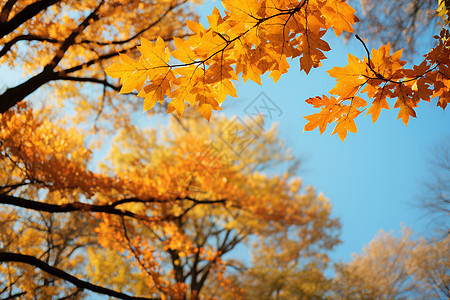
(14, 95)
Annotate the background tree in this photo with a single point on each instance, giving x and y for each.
(146, 203)
(56, 240)
(435, 199)
(63, 46)
(112, 269)
(396, 268)
(44, 169)
(402, 23)
(34, 162)
(274, 274)
(245, 203)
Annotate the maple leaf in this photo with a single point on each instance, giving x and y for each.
(176, 104)
(385, 64)
(339, 15)
(349, 78)
(328, 113)
(220, 70)
(211, 44)
(195, 27)
(345, 124)
(311, 46)
(132, 74)
(124, 69)
(244, 12)
(442, 90)
(183, 51)
(379, 102)
(189, 77)
(404, 102)
(156, 90)
(420, 86)
(156, 55)
(224, 88)
(335, 111)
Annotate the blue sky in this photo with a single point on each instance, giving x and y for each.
(373, 178)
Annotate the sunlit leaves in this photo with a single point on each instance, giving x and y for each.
(379, 102)
(349, 78)
(253, 38)
(335, 110)
(257, 37)
(382, 76)
(40, 151)
(190, 166)
(183, 51)
(311, 45)
(340, 16)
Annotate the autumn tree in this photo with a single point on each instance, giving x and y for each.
(172, 206)
(140, 210)
(44, 169)
(274, 274)
(109, 268)
(403, 23)
(57, 241)
(246, 204)
(43, 175)
(62, 47)
(435, 198)
(391, 267)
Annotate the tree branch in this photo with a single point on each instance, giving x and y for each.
(4, 15)
(29, 12)
(33, 261)
(106, 208)
(89, 79)
(169, 9)
(107, 56)
(15, 296)
(76, 206)
(16, 94)
(95, 60)
(93, 16)
(27, 37)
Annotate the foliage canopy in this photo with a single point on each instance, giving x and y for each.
(258, 37)
(168, 205)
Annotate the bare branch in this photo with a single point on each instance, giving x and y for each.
(169, 9)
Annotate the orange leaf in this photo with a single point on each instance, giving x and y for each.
(379, 102)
